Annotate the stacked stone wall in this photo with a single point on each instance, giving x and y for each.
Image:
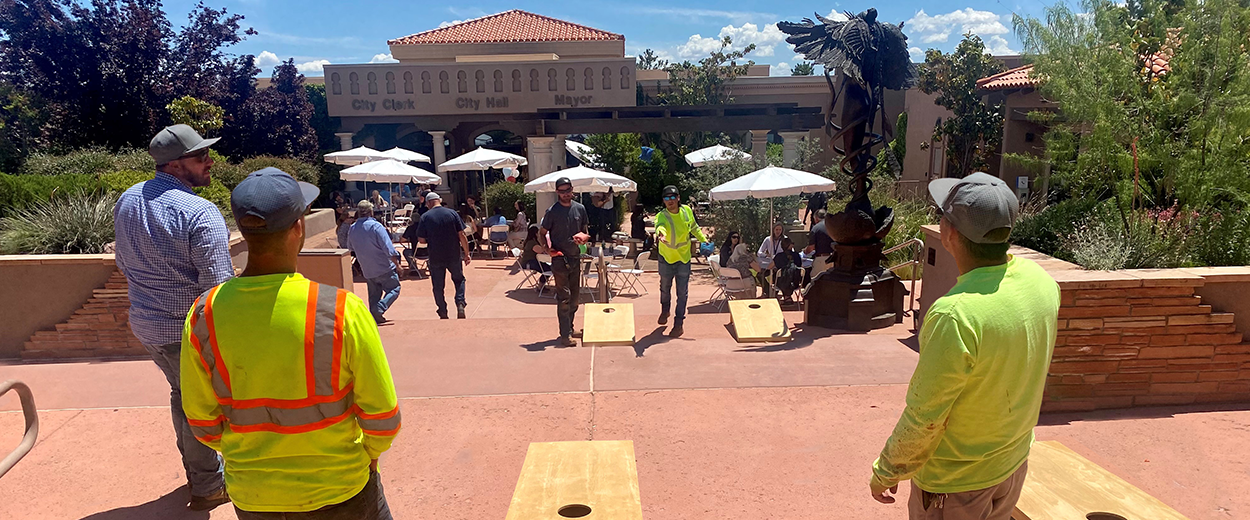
(97, 330)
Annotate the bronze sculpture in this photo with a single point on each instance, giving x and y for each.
(856, 293)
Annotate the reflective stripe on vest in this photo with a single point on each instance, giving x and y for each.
(207, 431)
(670, 238)
(325, 405)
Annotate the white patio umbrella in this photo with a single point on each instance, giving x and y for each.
(389, 171)
(583, 152)
(716, 155)
(358, 155)
(401, 154)
(482, 159)
(585, 180)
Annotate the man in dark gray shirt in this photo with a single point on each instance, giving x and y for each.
(820, 243)
(562, 230)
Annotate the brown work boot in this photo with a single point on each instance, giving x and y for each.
(577, 334)
(209, 502)
(566, 341)
(663, 319)
(677, 331)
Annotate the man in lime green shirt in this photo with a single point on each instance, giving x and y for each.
(985, 347)
(286, 377)
(674, 228)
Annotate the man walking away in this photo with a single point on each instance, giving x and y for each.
(817, 202)
(377, 258)
(674, 227)
(985, 348)
(287, 377)
(442, 230)
(172, 246)
(562, 230)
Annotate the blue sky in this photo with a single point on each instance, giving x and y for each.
(316, 32)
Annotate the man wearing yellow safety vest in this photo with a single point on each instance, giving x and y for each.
(286, 377)
(674, 228)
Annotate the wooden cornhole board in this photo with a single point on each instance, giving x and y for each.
(609, 324)
(577, 479)
(1063, 485)
(758, 321)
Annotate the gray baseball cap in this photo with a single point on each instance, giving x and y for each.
(175, 141)
(977, 205)
(433, 196)
(270, 200)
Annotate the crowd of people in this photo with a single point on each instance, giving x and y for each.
(281, 395)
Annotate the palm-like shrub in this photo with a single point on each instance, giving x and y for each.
(81, 223)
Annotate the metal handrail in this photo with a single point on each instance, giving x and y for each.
(911, 304)
(32, 423)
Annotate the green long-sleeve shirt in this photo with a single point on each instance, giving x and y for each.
(974, 399)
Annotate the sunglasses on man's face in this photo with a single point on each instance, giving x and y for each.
(570, 190)
(670, 197)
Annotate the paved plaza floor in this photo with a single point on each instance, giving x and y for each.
(721, 430)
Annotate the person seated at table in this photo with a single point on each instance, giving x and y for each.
(744, 262)
(727, 247)
(529, 256)
(378, 200)
(638, 227)
(788, 266)
(395, 200)
(496, 220)
(421, 206)
(345, 223)
(411, 252)
(470, 226)
(770, 246)
(521, 222)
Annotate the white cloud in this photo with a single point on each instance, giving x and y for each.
(938, 28)
(765, 40)
(383, 58)
(267, 60)
(836, 15)
(311, 66)
(445, 24)
(780, 69)
(997, 46)
(916, 53)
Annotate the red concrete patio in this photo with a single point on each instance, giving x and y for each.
(721, 429)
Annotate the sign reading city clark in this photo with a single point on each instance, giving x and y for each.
(468, 88)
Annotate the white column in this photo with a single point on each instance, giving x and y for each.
(345, 140)
(558, 153)
(440, 157)
(790, 147)
(538, 151)
(759, 145)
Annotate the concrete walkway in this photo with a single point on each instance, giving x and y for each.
(721, 430)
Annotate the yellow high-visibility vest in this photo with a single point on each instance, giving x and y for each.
(288, 380)
(675, 242)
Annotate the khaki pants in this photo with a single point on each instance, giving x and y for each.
(993, 503)
(819, 265)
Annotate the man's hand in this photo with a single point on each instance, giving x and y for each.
(581, 238)
(467, 258)
(881, 494)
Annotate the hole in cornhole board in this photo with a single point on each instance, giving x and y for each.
(574, 511)
(1104, 516)
(609, 310)
(754, 306)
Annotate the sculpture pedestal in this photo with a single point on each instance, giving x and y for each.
(856, 293)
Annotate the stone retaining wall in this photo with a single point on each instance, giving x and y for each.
(1135, 337)
(98, 330)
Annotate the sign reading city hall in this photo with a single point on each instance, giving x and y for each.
(449, 89)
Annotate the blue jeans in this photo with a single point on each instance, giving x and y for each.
(383, 291)
(681, 271)
(201, 463)
(368, 504)
(438, 280)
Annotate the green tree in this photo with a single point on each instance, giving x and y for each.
(976, 128)
(276, 121)
(648, 60)
(803, 68)
(21, 120)
(204, 117)
(621, 154)
(322, 123)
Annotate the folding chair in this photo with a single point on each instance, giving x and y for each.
(629, 278)
(543, 259)
(471, 236)
(497, 230)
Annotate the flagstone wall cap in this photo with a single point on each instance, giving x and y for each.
(508, 27)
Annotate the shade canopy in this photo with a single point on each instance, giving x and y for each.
(400, 154)
(388, 170)
(358, 155)
(582, 152)
(771, 182)
(482, 159)
(585, 180)
(716, 155)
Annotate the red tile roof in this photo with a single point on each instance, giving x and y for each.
(1009, 79)
(506, 27)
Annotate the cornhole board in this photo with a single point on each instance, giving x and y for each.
(609, 324)
(577, 479)
(757, 321)
(1063, 485)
